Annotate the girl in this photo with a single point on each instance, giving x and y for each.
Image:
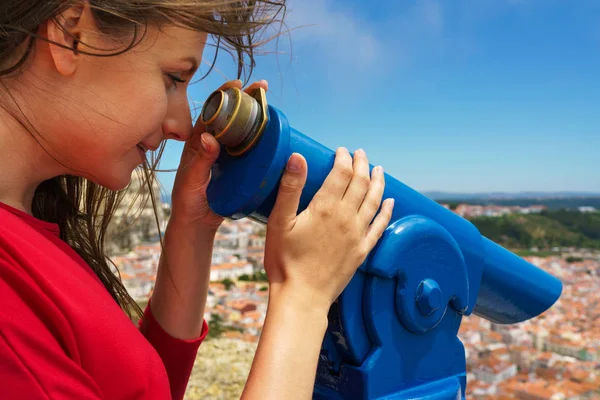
(87, 88)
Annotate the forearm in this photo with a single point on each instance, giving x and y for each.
(285, 363)
(182, 279)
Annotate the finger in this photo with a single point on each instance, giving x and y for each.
(191, 147)
(201, 164)
(290, 189)
(372, 199)
(361, 180)
(380, 223)
(231, 84)
(260, 84)
(338, 178)
(195, 141)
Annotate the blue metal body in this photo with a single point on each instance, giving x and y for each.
(393, 332)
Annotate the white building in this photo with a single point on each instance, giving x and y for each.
(230, 270)
(496, 372)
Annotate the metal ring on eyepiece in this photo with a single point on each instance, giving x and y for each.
(236, 119)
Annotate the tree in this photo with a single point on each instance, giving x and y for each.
(261, 277)
(574, 259)
(228, 283)
(215, 326)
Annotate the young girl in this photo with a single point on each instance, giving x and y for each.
(87, 88)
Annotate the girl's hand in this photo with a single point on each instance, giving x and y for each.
(310, 258)
(200, 152)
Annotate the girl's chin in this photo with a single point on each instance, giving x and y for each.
(116, 178)
(118, 181)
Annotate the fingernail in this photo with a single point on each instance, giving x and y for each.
(360, 152)
(294, 164)
(391, 203)
(204, 143)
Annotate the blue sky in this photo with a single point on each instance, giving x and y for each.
(460, 96)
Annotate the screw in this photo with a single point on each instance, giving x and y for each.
(428, 297)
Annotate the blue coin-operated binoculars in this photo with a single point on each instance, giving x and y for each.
(392, 333)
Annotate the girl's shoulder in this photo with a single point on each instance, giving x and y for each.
(17, 221)
(60, 330)
(33, 249)
(24, 237)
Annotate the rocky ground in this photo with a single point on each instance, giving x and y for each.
(220, 370)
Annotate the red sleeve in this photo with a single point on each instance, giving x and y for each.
(33, 363)
(177, 355)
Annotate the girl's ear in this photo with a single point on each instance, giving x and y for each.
(66, 33)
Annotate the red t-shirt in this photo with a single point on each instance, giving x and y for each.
(62, 336)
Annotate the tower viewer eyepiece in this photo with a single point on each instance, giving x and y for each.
(235, 118)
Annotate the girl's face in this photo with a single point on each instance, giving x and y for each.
(98, 115)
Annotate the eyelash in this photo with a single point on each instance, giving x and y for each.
(175, 79)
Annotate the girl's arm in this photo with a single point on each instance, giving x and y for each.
(173, 320)
(183, 276)
(285, 363)
(310, 258)
(182, 279)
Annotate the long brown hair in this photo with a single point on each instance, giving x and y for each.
(82, 208)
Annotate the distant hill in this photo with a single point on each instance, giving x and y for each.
(545, 230)
(438, 195)
(570, 203)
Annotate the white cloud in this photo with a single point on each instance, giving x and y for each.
(352, 45)
(406, 33)
(373, 47)
(337, 33)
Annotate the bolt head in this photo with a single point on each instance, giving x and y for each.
(429, 297)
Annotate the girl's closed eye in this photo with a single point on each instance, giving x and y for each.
(176, 78)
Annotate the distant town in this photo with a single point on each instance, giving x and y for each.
(238, 291)
(474, 210)
(469, 210)
(554, 356)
